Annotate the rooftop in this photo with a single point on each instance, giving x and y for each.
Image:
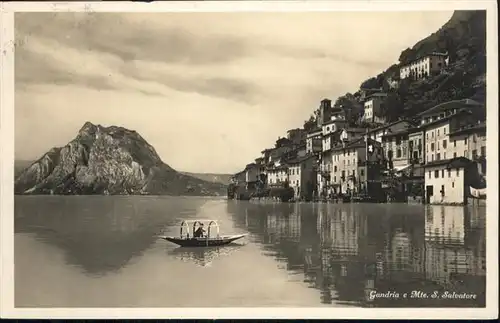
(376, 95)
(472, 128)
(424, 56)
(389, 125)
(356, 143)
(456, 104)
(299, 160)
(458, 162)
(459, 113)
(397, 133)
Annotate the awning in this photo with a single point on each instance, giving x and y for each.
(401, 168)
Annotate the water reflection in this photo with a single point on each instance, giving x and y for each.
(349, 251)
(100, 235)
(203, 257)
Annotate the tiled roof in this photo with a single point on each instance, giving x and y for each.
(389, 125)
(459, 113)
(456, 104)
(471, 129)
(450, 163)
(299, 159)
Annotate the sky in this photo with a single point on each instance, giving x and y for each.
(209, 91)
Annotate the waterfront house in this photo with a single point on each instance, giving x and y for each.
(324, 172)
(396, 149)
(373, 106)
(424, 66)
(447, 180)
(349, 164)
(252, 175)
(277, 175)
(377, 133)
(415, 145)
(314, 141)
(301, 176)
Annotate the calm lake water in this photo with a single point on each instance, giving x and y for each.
(102, 251)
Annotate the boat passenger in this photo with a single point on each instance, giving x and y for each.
(200, 232)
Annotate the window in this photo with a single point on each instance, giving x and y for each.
(438, 133)
(458, 172)
(438, 156)
(449, 172)
(454, 155)
(432, 157)
(427, 135)
(432, 147)
(430, 174)
(398, 140)
(438, 145)
(444, 155)
(335, 168)
(442, 173)
(444, 144)
(348, 162)
(444, 131)
(432, 134)
(465, 141)
(454, 143)
(436, 174)
(453, 184)
(334, 178)
(398, 153)
(483, 151)
(474, 153)
(327, 128)
(362, 172)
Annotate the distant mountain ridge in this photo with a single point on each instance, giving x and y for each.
(107, 160)
(211, 177)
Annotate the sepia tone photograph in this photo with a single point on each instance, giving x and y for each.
(314, 159)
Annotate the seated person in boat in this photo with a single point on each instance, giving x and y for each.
(200, 232)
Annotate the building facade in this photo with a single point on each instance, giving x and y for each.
(377, 133)
(446, 181)
(314, 141)
(372, 107)
(301, 176)
(396, 149)
(424, 66)
(416, 145)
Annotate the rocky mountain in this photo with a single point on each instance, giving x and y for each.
(108, 160)
(463, 37)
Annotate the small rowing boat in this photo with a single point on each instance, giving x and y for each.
(195, 239)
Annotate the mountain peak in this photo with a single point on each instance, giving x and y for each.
(108, 160)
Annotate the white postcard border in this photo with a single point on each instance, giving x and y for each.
(7, 48)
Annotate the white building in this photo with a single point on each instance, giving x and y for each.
(277, 175)
(424, 66)
(372, 107)
(446, 181)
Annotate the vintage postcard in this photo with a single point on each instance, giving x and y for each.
(266, 159)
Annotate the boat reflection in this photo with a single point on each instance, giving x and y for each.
(349, 251)
(203, 256)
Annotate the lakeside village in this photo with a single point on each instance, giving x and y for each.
(436, 157)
